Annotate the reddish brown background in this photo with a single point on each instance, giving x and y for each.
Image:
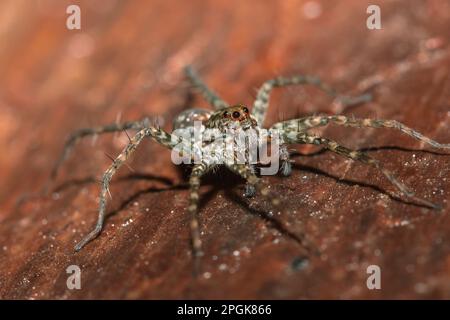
(127, 60)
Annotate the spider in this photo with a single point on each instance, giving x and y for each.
(224, 117)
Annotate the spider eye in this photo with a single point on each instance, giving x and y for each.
(245, 110)
(236, 114)
(226, 114)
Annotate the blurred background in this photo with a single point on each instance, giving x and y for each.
(126, 62)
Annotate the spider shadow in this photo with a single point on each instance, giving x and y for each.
(359, 183)
(369, 149)
(204, 199)
(132, 176)
(348, 182)
(274, 223)
(136, 195)
(228, 182)
(78, 182)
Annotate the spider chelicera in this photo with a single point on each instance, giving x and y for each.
(224, 117)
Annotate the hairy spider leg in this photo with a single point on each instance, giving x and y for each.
(194, 185)
(210, 96)
(303, 124)
(250, 189)
(85, 132)
(157, 134)
(261, 103)
(286, 165)
(246, 172)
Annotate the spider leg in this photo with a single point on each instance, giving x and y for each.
(156, 133)
(261, 103)
(210, 96)
(306, 123)
(284, 156)
(85, 132)
(250, 189)
(246, 172)
(286, 166)
(361, 157)
(194, 182)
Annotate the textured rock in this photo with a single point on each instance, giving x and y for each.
(127, 61)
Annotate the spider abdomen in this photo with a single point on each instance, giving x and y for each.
(188, 117)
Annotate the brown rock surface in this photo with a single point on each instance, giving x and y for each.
(127, 61)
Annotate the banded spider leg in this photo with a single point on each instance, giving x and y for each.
(294, 131)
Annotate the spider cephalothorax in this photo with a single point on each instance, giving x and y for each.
(231, 118)
(226, 119)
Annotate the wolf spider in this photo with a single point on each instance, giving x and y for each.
(292, 131)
